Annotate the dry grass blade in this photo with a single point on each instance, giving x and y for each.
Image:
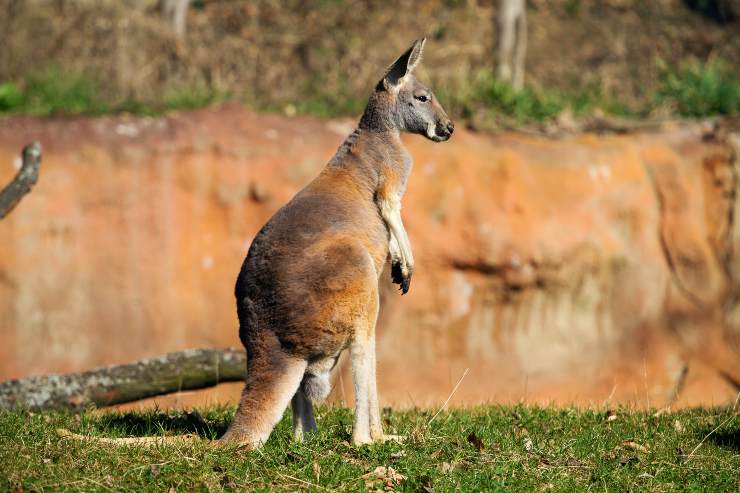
(449, 396)
(733, 415)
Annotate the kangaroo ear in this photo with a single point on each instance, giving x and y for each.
(405, 64)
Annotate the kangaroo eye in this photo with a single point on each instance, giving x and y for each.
(422, 98)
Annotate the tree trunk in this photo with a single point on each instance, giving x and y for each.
(512, 41)
(23, 181)
(182, 370)
(175, 13)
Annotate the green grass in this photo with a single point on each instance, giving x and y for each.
(696, 90)
(484, 449)
(690, 90)
(54, 92)
(490, 101)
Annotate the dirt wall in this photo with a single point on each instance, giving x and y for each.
(584, 270)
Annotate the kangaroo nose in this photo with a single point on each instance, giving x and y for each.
(450, 127)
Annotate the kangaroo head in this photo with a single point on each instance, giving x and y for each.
(403, 103)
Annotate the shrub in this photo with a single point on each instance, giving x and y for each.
(697, 89)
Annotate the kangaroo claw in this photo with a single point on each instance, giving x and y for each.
(396, 272)
(398, 276)
(406, 283)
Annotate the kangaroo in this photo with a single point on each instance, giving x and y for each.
(308, 288)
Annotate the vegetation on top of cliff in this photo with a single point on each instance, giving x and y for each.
(54, 92)
(625, 58)
(496, 448)
(691, 90)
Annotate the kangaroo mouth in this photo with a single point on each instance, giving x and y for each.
(439, 133)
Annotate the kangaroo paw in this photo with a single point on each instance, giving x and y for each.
(401, 275)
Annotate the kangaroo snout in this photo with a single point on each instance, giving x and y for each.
(445, 129)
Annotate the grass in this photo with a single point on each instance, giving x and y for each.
(691, 90)
(482, 449)
(499, 101)
(696, 90)
(54, 92)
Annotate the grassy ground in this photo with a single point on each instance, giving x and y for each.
(484, 449)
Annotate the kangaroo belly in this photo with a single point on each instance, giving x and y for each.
(311, 279)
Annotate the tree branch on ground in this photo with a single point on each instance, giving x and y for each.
(23, 181)
(183, 370)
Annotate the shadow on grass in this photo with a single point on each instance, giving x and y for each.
(729, 439)
(157, 422)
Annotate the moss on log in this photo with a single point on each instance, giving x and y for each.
(183, 370)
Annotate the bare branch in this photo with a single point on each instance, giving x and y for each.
(23, 181)
(182, 370)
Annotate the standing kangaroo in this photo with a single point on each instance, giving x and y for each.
(308, 288)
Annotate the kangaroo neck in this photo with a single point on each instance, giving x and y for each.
(373, 158)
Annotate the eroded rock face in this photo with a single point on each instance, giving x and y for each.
(582, 270)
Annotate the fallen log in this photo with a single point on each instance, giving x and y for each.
(23, 181)
(183, 370)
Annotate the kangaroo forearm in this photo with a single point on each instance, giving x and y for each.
(398, 234)
(404, 245)
(394, 251)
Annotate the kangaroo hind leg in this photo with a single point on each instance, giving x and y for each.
(315, 386)
(273, 376)
(304, 420)
(368, 427)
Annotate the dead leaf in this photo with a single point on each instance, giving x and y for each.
(573, 462)
(446, 467)
(678, 426)
(154, 469)
(316, 471)
(385, 474)
(426, 483)
(635, 446)
(436, 453)
(528, 445)
(624, 460)
(475, 441)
